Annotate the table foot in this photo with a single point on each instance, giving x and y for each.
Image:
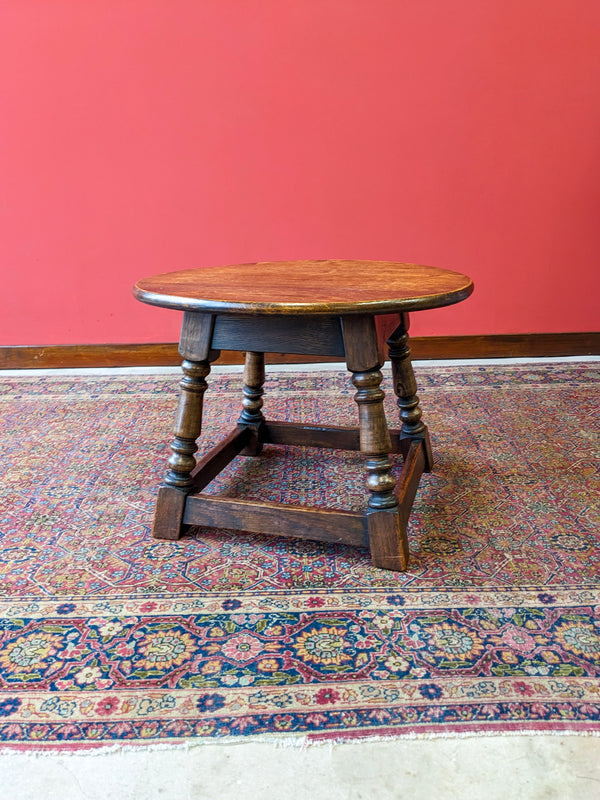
(168, 514)
(388, 540)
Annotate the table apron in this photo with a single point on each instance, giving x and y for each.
(306, 335)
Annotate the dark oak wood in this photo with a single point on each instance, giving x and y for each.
(188, 423)
(168, 514)
(387, 539)
(165, 354)
(405, 388)
(408, 482)
(276, 519)
(196, 336)
(215, 461)
(331, 287)
(363, 358)
(364, 350)
(323, 308)
(252, 416)
(254, 378)
(307, 335)
(334, 437)
(292, 434)
(375, 440)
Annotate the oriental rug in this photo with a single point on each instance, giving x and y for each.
(110, 637)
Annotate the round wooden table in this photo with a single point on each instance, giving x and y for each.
(329, 308)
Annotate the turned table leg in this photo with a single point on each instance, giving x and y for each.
(405, 388)
(388, 539)
(251, 416)
(178, 482)
(194, 346)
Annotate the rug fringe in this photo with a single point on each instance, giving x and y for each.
(278, 742)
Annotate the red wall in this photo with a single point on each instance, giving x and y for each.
(138, 136)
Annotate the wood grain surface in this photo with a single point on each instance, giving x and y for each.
(276, 519)
(306, 287)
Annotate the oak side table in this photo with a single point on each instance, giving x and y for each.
(323, 308)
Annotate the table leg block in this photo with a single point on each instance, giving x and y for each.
(388, 539)
(168, 516)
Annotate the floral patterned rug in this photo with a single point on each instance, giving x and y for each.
(108, 636)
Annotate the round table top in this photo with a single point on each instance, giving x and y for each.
(306, 287)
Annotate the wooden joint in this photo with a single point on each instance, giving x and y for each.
(361, 343)
(196, 336)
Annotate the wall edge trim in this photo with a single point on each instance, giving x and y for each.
(520, 345)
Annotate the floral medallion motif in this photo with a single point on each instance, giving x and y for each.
(164, 650)
(323, 646)
(29, 653)
(579, 638)
(448, 641)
